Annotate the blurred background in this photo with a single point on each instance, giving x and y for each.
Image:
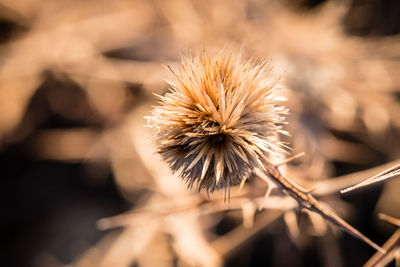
(81, 185)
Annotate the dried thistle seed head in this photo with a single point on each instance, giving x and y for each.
(219, 122)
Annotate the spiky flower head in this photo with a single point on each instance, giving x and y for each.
(219, 122)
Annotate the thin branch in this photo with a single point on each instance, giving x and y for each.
(382, 176)
(307, 201)
(332, 185)
(390, 246)
(389, 219)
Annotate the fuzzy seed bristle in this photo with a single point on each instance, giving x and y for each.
(219, 121)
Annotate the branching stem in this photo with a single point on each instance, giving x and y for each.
(307, 201)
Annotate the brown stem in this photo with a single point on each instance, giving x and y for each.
(307, 201)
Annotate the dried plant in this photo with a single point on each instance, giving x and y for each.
(392, 246)
(220, 122)
(77, 79)
(218, 126)
(382, 176)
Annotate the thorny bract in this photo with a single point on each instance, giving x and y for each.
(219, 121)
(219, 125)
